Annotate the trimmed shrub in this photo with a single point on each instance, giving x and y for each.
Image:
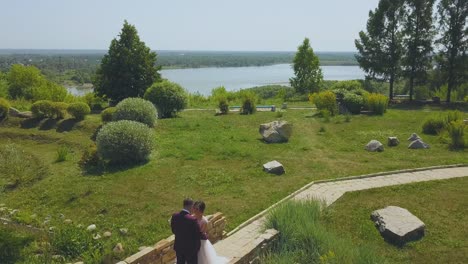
(353, 103)
(433, 125)
(136, 109)
(456, 131)
(248, 103)
(42, 108)
(168, 97)
(78, 110)
(125, 142)
(377, 103)
(59, 109)
(223, 105)
(4, 108)
(107, 114)
(325, 101)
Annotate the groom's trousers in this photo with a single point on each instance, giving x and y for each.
(184, 259)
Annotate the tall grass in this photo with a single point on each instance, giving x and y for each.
(457, 133)
(305, 239)
(62, 154)
(377, 103)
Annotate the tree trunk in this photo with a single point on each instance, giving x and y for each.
(411, 88)
(390, 93)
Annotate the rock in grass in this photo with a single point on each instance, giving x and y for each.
(118, 248)
(413, 137)
(393, 141)
(91, 227)
(276, 131)
(97, 236)
(273, 167)
(107, 234)
(397, 225)
(374, 145)
(123, 231)
(418, 144)
(67, 221)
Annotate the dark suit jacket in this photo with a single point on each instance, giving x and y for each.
(187, 234)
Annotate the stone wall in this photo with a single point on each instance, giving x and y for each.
(163, 251)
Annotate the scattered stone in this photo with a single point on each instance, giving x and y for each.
(13, 212)
(123, 231)
(52, 228)
(374, 145)
(397, 225)
(273, 167)
(79, 225)
(418, 144)
(62, 216)
(413, 137)
(3, 209)
(96, 236)
(58, 257)
(118, 248)
(276, 131)
(33, 216)
(91, 227)
(67, 221)
(107, 234)
(16, 113)
(46, 222)
(393, 141)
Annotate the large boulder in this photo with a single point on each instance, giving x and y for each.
(374, 145)
(413, 137)
(418, 144)
(393, 141)
(276, 131)
(273, 167)
(397, 225)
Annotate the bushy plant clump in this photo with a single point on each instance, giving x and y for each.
(136, 109)
(11, 244)
(453, 116)
(59, 109)
(377, 103)
(248, 103)
(125, 142)
(107, 114)
(466, 99)
(223, 105)
(4, 108)
(457, 135)
(42, 108)
(78, 110)
(433, 125)
(168, 97)
(353, 102)
(325, 100)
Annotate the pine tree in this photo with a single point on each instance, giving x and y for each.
(128, 69)
(307, 71)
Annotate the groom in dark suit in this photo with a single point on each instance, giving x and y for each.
(187, 234)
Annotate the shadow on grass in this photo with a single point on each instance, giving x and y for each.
(31, 122)
(67, 125)
(110, 168)
(48, 124)
(421, 105)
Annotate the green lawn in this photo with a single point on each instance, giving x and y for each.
(441, 205)
(214, 158)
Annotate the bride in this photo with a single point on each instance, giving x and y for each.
(207, 253)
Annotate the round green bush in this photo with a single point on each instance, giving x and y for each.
(43, 108)
(168, 97)
(59, 109)
(78, 110)
(353, 103)
(433, 125)
(4, 108)
(325, 100)
(136, 109)
(107, 114)
(125, 142)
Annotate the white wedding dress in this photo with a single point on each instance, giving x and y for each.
(207, 253)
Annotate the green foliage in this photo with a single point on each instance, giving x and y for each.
(19, 167)
(433, 125)
(90, 159)
(43, 108)
(72, 241)
(3, 85)
(350, 86)
(223, 105)
(421, 92)
(453, 116)
(442, 92)
(466, 99)
(248, 103)
(304, 238)
(353, 102)
(128, 69)
(136, 109)
(78, 110)
(59, 109)
(62, 154)
(457, 135)
(125, 142)
(11, 244)
(307, 71)
(377, 103)
(4, 108)
(107, 114)
(168, 97)
(94, 101)
(325, 100)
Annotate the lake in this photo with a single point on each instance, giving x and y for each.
(203, 80)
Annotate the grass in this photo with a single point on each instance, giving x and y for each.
(215, 158)
(441, 205)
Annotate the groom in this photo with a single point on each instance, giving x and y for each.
(187, 234)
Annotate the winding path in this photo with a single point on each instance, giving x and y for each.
(246, 238)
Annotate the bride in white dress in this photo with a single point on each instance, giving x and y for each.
(207, 253)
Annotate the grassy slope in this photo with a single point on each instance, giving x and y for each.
(441, 205)
(217, 159)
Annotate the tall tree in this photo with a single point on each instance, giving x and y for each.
(452, 16)
(380, 48)
(418, 35)
(307, 71)
(128, 69)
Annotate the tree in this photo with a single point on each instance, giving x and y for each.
(453, 28)
(380, 48)
(22, 80)
(128, 69)
(417, 41)
(307, 71)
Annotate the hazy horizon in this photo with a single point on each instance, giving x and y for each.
(205, 25)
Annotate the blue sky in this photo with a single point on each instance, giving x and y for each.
(266, 25)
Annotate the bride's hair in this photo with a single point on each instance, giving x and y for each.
(200, 205)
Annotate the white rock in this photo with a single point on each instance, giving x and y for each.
(273, 167)
(118, 248)
(276, 131)
(375, 145)
(91, 227)
(123, 231)
(67, 221)
(97, 236)
(413, 137)
(107, 234)
(418, 144)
